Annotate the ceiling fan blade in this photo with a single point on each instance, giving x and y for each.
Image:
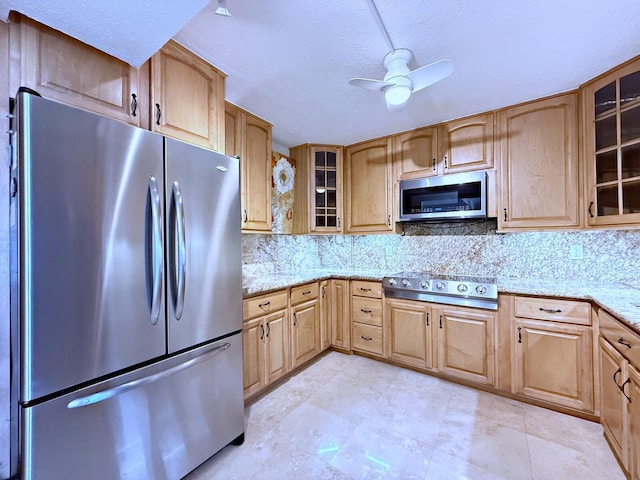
(369, 84)
(429, 74)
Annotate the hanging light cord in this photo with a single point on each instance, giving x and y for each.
(376, 14)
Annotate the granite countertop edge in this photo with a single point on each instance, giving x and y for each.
(620, 300)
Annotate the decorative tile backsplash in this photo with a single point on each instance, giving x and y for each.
(609, 255)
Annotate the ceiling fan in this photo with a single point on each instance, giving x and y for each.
(400, 82)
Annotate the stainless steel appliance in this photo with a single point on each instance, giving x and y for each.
(449, 197)
(467, 291)
(126, 299)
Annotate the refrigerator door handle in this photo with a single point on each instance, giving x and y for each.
(157, 253)
(180, 253)
(126, 387)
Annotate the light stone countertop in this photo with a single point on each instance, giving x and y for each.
(622, 301)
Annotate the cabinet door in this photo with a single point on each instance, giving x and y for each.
(64, 69)
(539, 164)
(415, 153)
(187, 96)
(409, 332)
(466, 343)
(613, 415)
(368, 203)
(277, 345)
(554, 362)
(232, 131)
(325, 315)
(340, 322)
(634, 426)
(255, 174)
(306, 332)
(611, 122)
(468, 144)
(253, 335)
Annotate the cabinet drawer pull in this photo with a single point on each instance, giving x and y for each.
(505, 214)
(614, 377)
(366, 338)
(445, 162)
(427, 319)
(265, 304)
(621, 341)
(433, 164)
(365, 310)
(440, 321)
(261, 332)
(338, 222)
(158, 114)
(295, 319)
(245, 216)
(622, 389)
(549, 310)
(362, 289)
(590, 207)
(306, 292)
(134, 104)
(388, 220)
(519, 334)
(324, 291)
(268, 329)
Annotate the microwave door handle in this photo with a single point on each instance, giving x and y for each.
(157, 250)
(180, 253)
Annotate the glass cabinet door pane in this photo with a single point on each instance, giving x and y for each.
(631, 197)
(331, 179)
(320, 221)
(331, 199)
(320, 179)
(630, 125)
(607, 166)
(607, 200)
(606, 98)
(319, 159)
(320, 199)
(331, 159)
(606, 133)
(331, 221)
(630, 88)
(631, 161)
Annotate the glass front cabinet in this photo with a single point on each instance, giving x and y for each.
(318, 192)
(612, 146)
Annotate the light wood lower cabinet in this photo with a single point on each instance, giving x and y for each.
(634, 422)
(340, 321)
(612, 401)
(305, 332)
(325, 315)
(409, 334)
(466, 343)
(366, 317)
(265, 343)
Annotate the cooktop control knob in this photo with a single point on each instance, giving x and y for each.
(462, 288)
(440, 286)
(481, 289)
(424, 284)
(392, 281)
(406, 282)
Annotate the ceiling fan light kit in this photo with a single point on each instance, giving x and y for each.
(222, 9)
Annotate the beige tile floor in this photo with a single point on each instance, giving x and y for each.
(349, 417)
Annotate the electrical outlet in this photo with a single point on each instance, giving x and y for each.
(388, 250)
(576, 252)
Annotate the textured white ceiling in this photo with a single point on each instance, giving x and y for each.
(289, 61)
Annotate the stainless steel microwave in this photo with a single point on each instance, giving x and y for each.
(449, 197)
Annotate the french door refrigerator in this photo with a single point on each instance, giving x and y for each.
(126, 303)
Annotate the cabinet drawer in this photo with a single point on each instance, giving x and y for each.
(303, 293)
(366, 289)
(555, 309)
(623, 339)
(367, 338)
(366, 310)
(252, 307)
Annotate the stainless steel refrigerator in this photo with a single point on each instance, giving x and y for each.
(126, 303)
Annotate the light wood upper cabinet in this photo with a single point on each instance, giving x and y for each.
(466, 343)
(64, 69)
(611, 132)
(467, 144)
(409, 332)
(415, 153)
(318, 192)
(368, 202)
(187, 97)
(539, 164)
(340, 321)
(249, 137)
